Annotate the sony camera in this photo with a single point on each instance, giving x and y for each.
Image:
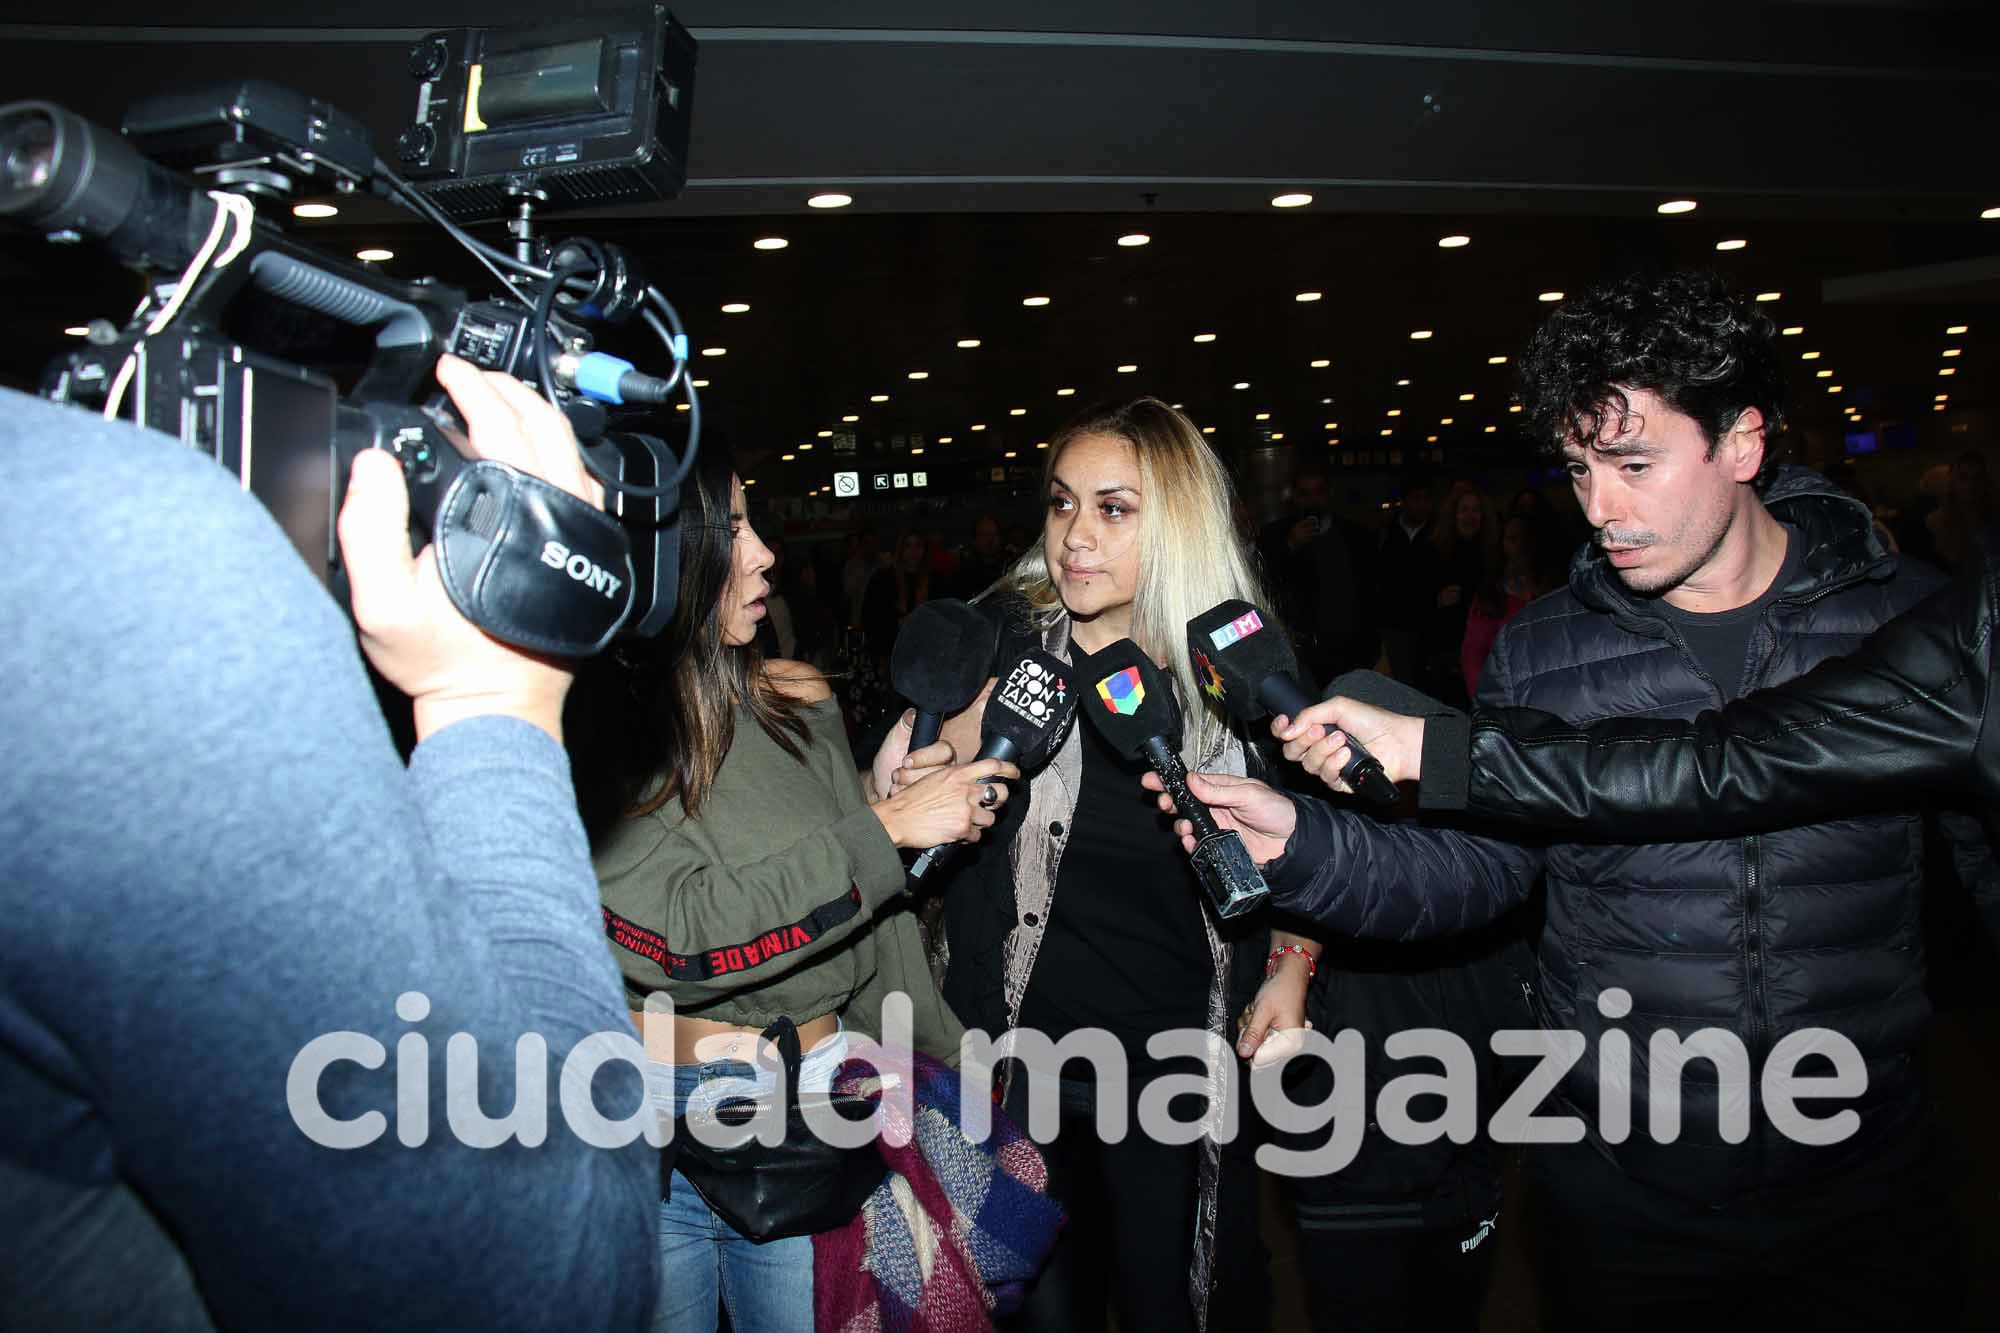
(508, 122)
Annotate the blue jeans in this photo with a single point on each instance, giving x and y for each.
(766, 1288)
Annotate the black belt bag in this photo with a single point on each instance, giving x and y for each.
(801, 1187)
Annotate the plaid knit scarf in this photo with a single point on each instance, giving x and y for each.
(954, 1232)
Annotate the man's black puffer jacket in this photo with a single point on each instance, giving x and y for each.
(1814, 926)
(1906, 715)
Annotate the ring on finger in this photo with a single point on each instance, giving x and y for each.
(990, 798)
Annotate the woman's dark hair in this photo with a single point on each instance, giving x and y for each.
(653, 719)
(1681, 336)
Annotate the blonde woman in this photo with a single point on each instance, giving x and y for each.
(1079, 909)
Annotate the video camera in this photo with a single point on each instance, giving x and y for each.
(507, 122)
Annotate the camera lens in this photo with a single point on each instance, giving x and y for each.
(27, 151)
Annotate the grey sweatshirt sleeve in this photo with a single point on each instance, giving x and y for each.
(213, 857)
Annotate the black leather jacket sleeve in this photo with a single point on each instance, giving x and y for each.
(1378, 880)
(1905, 712)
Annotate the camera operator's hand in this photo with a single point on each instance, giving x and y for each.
(1316, 739)
(947, 804)
(409, 628)
(1260, 814)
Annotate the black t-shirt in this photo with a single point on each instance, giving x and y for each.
(1124, 948)
(1720, 640)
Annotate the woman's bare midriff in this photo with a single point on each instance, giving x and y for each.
(686, 1041)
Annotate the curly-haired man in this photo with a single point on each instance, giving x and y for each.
(1713, 572)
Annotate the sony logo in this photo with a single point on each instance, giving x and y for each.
(557, 556)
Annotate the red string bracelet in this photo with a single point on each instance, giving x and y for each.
(1271, 963)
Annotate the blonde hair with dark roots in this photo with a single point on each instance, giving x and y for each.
(1190, 556)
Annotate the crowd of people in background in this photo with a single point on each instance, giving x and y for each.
(1417, 590)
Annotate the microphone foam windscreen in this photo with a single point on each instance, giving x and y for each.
(1032, 705)
(1128, 699)
(1372, 687)
(942, 655)
(1234, 647)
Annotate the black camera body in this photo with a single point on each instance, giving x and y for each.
(290, 431)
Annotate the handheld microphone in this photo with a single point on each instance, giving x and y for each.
(1027, 719)
(1131, 703)
(1249, 669)
(939, 662)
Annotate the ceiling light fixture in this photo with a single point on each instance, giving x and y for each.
(1987, 213)
(1035, 300)
(1491, 430)
(1010, 454)
(1808, 356)
(878, 397)
(917, 450)
(699, 384)
(1833, 388)
(1321, 363)
(786, 458)
(1395, 411)
(1949, 370)
(1204, 337)
(1453, 242)
(1263, 416)
(1465, 398)
(1445, 421)
(1307, 296)
(1496, 360)
(78, 330)
(1017, 411)
(1430, 439)
(374, 256)
(1330, 425)
(1822, 374)
(1676, 206)
(944, 439)
(1387, 431)
(1514, 407)
(769, 243)
(1793, 330)
(806, 447)
(1299, 199)
(1277, 435)
(1419, 335)
(314, 210)
(967, 344)
(1951, 351)
(830, 199)
(1549, 297)
(736, 308)
(920, 374)
(1065, 393)
(1770, 296)
(826, 435)
(1957, 329)
(850, 418)
(1043, 444)
(980, 426)
(1731, 245)
(1132, 239)
(1127, 369)
(1942, 397)
(1240, 384)
(1402, 384)
(1208, 430)
(715, 351)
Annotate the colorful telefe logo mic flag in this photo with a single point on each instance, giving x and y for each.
(1122, 693)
